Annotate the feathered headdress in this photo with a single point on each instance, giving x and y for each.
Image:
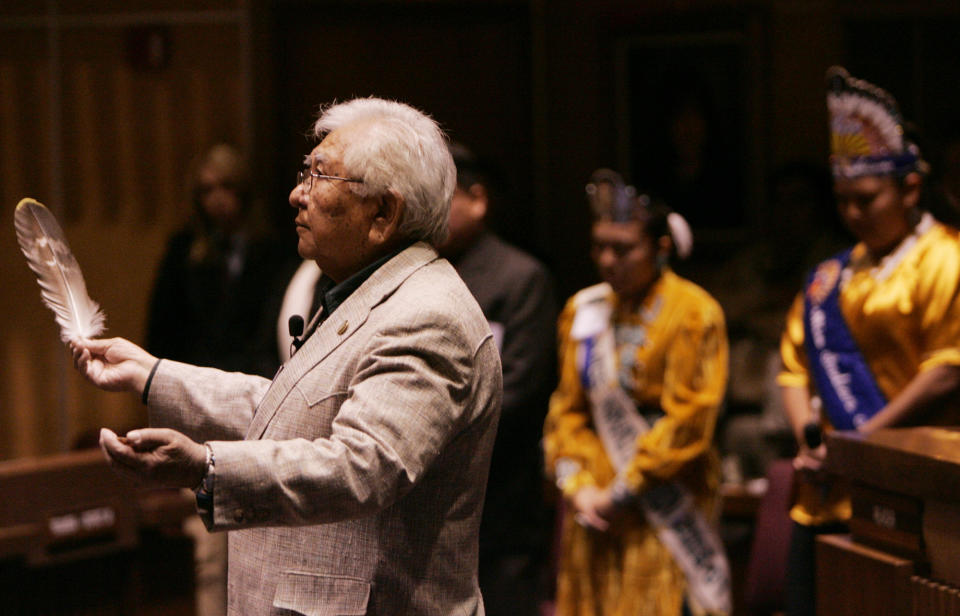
(612, 199)
(866, 130)
(58, 273)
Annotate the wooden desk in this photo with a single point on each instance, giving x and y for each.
(856, 580)
(76, 538)
(902, 556)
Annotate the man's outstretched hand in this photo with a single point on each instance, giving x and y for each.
(156, 456)
(113, 364)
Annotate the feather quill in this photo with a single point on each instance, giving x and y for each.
(58, 273)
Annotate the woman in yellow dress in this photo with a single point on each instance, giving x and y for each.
(874, 338)
(628, 436)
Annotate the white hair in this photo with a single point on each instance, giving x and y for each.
(404, 150)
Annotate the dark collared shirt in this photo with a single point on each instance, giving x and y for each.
(333, 294)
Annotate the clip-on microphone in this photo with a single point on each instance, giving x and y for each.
(295, 327)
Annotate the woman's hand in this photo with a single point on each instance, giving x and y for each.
(810, 462)
(594, 508)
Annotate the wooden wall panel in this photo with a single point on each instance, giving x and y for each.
(99, 7)
(530, 83)
(107, 145)
(24, 168)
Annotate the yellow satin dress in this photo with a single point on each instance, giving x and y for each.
(904, 314)
(672, 356)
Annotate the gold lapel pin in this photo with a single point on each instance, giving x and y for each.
(343, 328)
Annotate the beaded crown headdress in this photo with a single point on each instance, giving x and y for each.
(612, 199)
(866, 130)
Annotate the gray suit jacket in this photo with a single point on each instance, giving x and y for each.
(358, 484)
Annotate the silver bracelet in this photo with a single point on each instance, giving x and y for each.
(206, 482)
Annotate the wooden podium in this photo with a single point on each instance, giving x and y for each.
(75, 538)
(902, 556)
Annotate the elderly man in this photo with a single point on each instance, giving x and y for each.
(353, 482)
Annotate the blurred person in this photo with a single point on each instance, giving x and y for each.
(628, 436)
(208, 298)
(353, 482)
(873, 340)
(516, 294)
(205, 306)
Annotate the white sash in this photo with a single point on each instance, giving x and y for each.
(669, 507)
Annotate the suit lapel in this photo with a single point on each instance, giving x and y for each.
(335, 330)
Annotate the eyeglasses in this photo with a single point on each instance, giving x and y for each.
(305, 177)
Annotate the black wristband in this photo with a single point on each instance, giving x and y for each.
(146, 386)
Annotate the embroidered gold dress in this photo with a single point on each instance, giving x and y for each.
(904, 314)
(672, 355)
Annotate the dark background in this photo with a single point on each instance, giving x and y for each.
(710, 103)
